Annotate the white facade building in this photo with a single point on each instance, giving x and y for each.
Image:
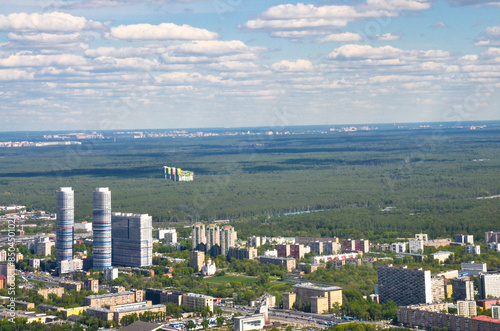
(110, 273)
(84, 226)
(473, 249)
(170, 235)
(208, 268)
(398, 247)
(416, 246)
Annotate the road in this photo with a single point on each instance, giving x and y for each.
(288, 316)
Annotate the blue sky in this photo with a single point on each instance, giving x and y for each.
(116, 64)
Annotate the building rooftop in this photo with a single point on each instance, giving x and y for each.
(109, 295)
(142, 326)
(127, 307)
(196, 295)
(315, 287)
(486, 319)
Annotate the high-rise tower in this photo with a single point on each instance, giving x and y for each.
(65, 224)
(102, 227)
(132, 239)
(198, 235)
(227, 239)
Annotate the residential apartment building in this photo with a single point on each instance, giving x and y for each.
(404, 286)
(288, 262)
(131, 240)
(349, 245)
(114, 299)
(193, 300)
(196, 260)
(489, 284)
(466, 308)
(463, 288)
(53, 290)
(241, 253)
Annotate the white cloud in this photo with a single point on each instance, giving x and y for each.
(492, 30)
(353, 51)
(34, 102)
(46, 22)
(388, 37)
(213, 48)
(340, 37)
(299, 65)
(15, 74)
(45, 37)
(439, 24)
(25, 60)
(281, 20)
(163, 31)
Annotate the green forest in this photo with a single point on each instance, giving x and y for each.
(431, 177)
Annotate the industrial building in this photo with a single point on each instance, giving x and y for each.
(131, 239)
(404, 286)
(101, 226)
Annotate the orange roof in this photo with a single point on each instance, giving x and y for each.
(486, 319)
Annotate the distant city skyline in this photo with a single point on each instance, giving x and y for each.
(173, 64)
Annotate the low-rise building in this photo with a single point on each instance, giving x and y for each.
(53, 290)
(399, 247)
(288, 262)
(114, 299)
(70, 285)
(249, 322)
(441, 256)
(241, 253)
(473, 268)
(116, 313)
(473, 249)
(321, 299)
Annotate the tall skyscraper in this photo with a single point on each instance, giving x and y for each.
(198, 235)
(132, 239)
(65, 223)
(212, 236)
(101, 226)
(227, 239)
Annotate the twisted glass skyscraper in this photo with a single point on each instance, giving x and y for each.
(65, 224)
(101, 226)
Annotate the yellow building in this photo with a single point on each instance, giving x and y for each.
(289, 299)
(314, 295)
(73, 311)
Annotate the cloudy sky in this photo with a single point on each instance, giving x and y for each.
(129, 64)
